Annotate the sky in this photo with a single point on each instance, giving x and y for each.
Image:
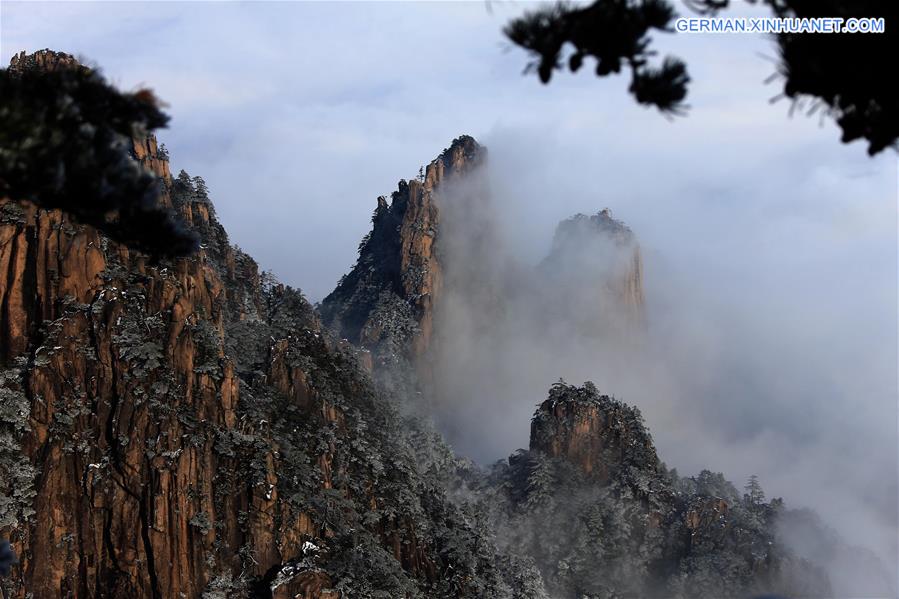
(770, 249)
(299, 115)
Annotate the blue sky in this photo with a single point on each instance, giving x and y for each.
(770, 248)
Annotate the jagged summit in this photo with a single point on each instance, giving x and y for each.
(464, 152)
(601, 223)
(45, 60)
(598, 259)
(386, 303)
(387, 299)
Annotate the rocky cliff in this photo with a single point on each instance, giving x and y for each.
(44, 60)
(119, 368)
(388, 299)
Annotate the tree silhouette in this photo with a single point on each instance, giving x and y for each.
(65, 144)
(616, 33)
(754, 492)
(846, 76)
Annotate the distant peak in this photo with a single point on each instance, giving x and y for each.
(467, 144)
(46, 60)
(463, 154)
(601, 222)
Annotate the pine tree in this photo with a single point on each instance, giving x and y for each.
(201, 190)
(843, 75)
(540, 481)
(185, 180)
(754, 492)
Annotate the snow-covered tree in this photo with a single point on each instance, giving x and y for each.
(754, 492)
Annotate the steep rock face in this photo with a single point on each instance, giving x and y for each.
(120, 362)
(435, 263)
(391, 292)
(42, 259)
(147, 153)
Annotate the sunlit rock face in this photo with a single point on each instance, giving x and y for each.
(119, 362)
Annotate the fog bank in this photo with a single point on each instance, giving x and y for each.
(769, 339)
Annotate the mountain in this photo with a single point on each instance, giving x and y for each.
(190, 428)
(387, 301)
(432, 253)
(598, 512)
(597, 258)
(44, 60)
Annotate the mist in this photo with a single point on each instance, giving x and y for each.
(767, 344)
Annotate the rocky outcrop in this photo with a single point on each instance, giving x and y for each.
(44, 60)
(390, 294)
(630, 526)
(597, 433)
